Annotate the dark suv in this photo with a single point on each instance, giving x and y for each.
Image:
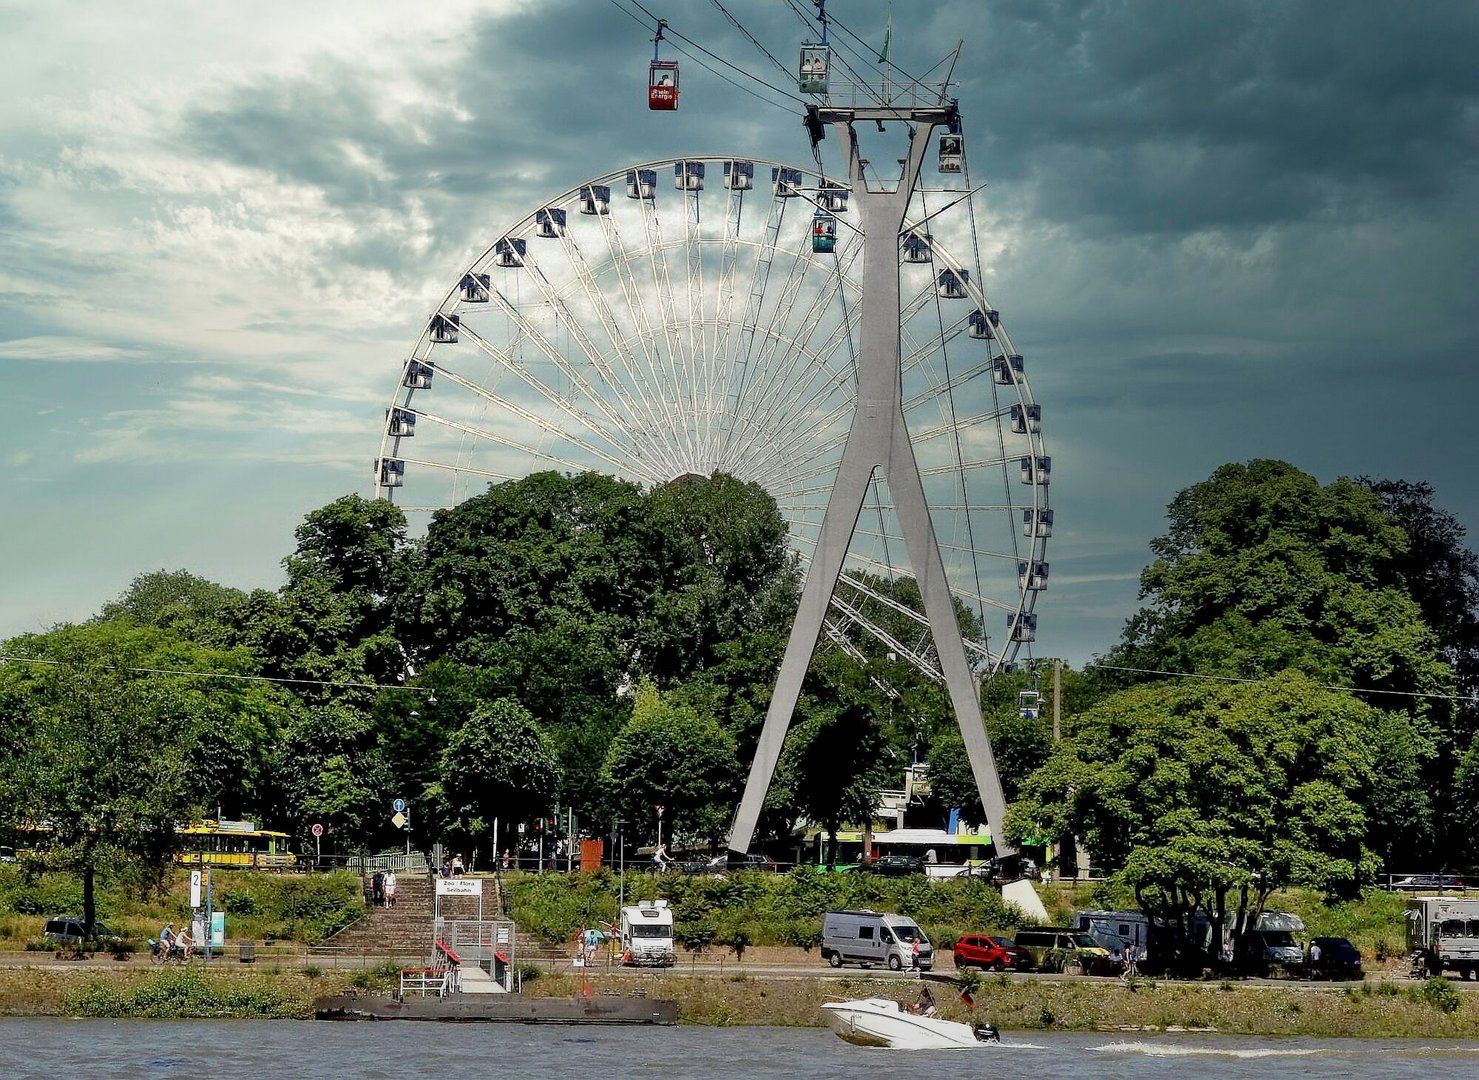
(983, 951)
(1339, 959)
(70, 930)
(895, 865)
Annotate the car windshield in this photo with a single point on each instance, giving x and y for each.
(1083, 941)
(908, 932)
(651, 930)
(1278, 939)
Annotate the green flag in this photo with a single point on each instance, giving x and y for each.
(888, 39)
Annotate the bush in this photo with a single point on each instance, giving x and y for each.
(184, 993)
(1439, 993)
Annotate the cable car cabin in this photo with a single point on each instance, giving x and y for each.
(1036, 470)
(1037, 523)
(816, 66)
(444, 328)
(475, 288)
(391, 471)
(1006, 370)
(739, 175)
(688, 176)
(401, 424)
(823, 232)
(417, 375)
(1022, 627)
(1029, 704)
(1032, 575)
(641, 183)
(550, 222)
(833, 196)
(952, 153)
(917, 247)
(1026, 418)
(595, 199)
(662, 85)
(951, 284)
(982, 324)
(785, 182)
(509, 252)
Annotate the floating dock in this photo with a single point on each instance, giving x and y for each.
(503, 1008)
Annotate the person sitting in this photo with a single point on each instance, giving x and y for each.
(184, 943)
(926, 1005)
(167, 939)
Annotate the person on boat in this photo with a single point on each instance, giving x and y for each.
(926, 1006)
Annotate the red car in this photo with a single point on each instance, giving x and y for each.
(998, 954)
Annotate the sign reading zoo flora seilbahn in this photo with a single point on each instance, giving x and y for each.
(460, 887)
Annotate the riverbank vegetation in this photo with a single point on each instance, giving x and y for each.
(615, 646)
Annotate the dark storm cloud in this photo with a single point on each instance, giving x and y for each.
(1179, 116)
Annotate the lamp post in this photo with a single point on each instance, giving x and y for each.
(621, 856)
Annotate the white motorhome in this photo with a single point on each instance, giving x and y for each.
(1116, 929)
(1444, 932)
(647, 934)
(867, 937)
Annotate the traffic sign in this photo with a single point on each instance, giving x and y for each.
(317, 830)
(398, 805)
(399, 820)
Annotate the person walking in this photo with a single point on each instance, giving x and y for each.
(914, 957)
(377, 889)
(390, 884)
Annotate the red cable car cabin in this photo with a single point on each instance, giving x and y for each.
(662, 85)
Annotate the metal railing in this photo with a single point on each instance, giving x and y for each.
(426, 982)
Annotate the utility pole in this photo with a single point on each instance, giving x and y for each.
(1057, 700)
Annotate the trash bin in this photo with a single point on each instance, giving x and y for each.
(248, 952)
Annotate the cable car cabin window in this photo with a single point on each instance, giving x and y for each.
(952, 153)
(816, 66)
(662, 85)
(823, 232)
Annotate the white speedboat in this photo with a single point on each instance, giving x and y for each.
(884, 1022)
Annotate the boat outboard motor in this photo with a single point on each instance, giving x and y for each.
(985, 1032)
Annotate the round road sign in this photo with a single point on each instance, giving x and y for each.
(398, 806)
(317, 830)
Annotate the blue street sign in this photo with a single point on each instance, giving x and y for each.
(398, 806)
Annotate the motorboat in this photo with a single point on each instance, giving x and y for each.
(884, 1022)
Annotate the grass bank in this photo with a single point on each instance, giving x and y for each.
(1385, 1010)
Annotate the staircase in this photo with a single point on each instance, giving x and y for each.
(401, 931)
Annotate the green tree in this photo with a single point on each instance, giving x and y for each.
(1212, 795)
(672, 756)
(497, 764)
(175, 600)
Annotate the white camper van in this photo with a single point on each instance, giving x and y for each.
(867, 937)
(1443, 931)
(647, 935)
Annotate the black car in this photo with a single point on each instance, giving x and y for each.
(895, 865)
(1339, 959)
(70, 930)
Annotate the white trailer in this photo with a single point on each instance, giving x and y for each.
(646, 930)
(1443, 931)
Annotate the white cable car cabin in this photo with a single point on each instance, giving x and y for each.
(1022, 627)
(550, 222)
(1006, 370)
(739, 175)
(418, 375)
(952, 153)
(444, 328)
(823, 232)
(475, 288)
(982, 324)
(815, 68)
(595, 200)
(662, 85)
(1029, 704)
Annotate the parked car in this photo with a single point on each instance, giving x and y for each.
(1339, 959)
(70, 930)
(7, 854)
(895, 865)
(1429, 881)
(983, 951)
(1003, 870)
(755, 861)
(1060, 948)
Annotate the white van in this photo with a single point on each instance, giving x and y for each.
(647, 935)
(867, 938)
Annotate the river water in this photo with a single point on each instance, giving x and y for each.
(285, 1050)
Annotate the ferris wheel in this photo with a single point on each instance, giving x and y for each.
(700, 315)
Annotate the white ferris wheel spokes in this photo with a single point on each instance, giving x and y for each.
(654, 330)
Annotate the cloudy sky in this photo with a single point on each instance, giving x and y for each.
(1220, 230)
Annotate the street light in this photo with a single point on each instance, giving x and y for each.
(621, 874)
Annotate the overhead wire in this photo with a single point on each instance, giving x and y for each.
(42, 661)
(1249, 679)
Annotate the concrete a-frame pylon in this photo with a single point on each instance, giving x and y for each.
(878, 442)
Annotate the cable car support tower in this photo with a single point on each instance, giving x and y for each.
(878, 444)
